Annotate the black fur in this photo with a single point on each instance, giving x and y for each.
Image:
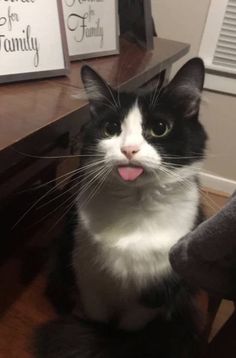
(178, 332)
(61, 289)
(177, 103)
(69, 337)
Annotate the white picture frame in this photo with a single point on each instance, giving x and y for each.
(32, 40)
(92, 28)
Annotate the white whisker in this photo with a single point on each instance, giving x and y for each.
(51, 191)
(97, 187)
(90, 182)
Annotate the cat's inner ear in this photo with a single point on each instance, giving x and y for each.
(186, 87)
(99, 93)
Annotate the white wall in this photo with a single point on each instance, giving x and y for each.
(181, 20)
(184, 20)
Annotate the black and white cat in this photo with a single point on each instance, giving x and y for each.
(138, 196)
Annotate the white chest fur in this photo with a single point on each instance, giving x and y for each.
(134, 233)
(122, 245)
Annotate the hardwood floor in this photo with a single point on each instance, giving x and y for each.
(225, 311)
(224, 344)
(212, 201)
(30, 307)
(18, 323)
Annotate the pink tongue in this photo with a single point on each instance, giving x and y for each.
(130, 173)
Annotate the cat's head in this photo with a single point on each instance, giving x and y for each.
(137, 138)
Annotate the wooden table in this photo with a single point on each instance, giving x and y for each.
(38, 117)
(43, 118)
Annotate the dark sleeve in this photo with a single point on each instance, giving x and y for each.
(206, 257)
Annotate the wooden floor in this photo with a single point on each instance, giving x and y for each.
(30, 308)
(18, 323)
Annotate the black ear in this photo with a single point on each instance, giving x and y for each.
(187, 85)
(99, 93)
(191, 74)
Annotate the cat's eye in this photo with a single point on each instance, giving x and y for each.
(160, 129)
(111, 129)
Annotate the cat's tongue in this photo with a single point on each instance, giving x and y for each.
(130, 173)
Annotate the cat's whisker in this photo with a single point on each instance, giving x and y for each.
(212, 204)
(181, 179)
(118, 96)
(153, 96)
(109, 105)
(78, 177)
(57, 196)
(97, 187)
(208, 154)
(208, 201)
(71, 197)
(88, 173)
(57, 179)
(73, 173)
(179, 166)
(93, 95)
(120, 71)
(112, 95)
(188, 185)
(69, 189)
(51, 191)
(68, 208)
(36, 203)
(184, 181)
(67, 175)
(173, 166)
(194, 155)
(55, 157)
(156, 95)
(84, 188)
(201, 157)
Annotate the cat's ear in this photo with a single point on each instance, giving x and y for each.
(186, 87)
(99, 93)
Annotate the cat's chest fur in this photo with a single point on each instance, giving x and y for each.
(121, 249)
(133, 233)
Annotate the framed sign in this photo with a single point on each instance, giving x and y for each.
(136, 22)
(32, 40)
(91, 28)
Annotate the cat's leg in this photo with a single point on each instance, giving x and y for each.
(184, 321)
(70, 338)
(137, 316)
(92, 306)
(95, 299)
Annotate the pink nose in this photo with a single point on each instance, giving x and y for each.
(130, 150)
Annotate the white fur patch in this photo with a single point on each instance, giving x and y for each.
(131, 134)
(123, 244)
(136, 233)
(132, 128)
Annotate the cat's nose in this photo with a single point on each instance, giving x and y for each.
(130, 150)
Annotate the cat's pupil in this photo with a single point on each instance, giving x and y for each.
(111, 128)
(160, 129)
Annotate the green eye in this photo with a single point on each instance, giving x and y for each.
(111, 129)
(160, 129)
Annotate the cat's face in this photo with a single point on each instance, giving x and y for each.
(153, 136)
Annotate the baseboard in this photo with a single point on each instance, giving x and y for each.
(217, 183)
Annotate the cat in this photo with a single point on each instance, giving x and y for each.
(138, 196)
